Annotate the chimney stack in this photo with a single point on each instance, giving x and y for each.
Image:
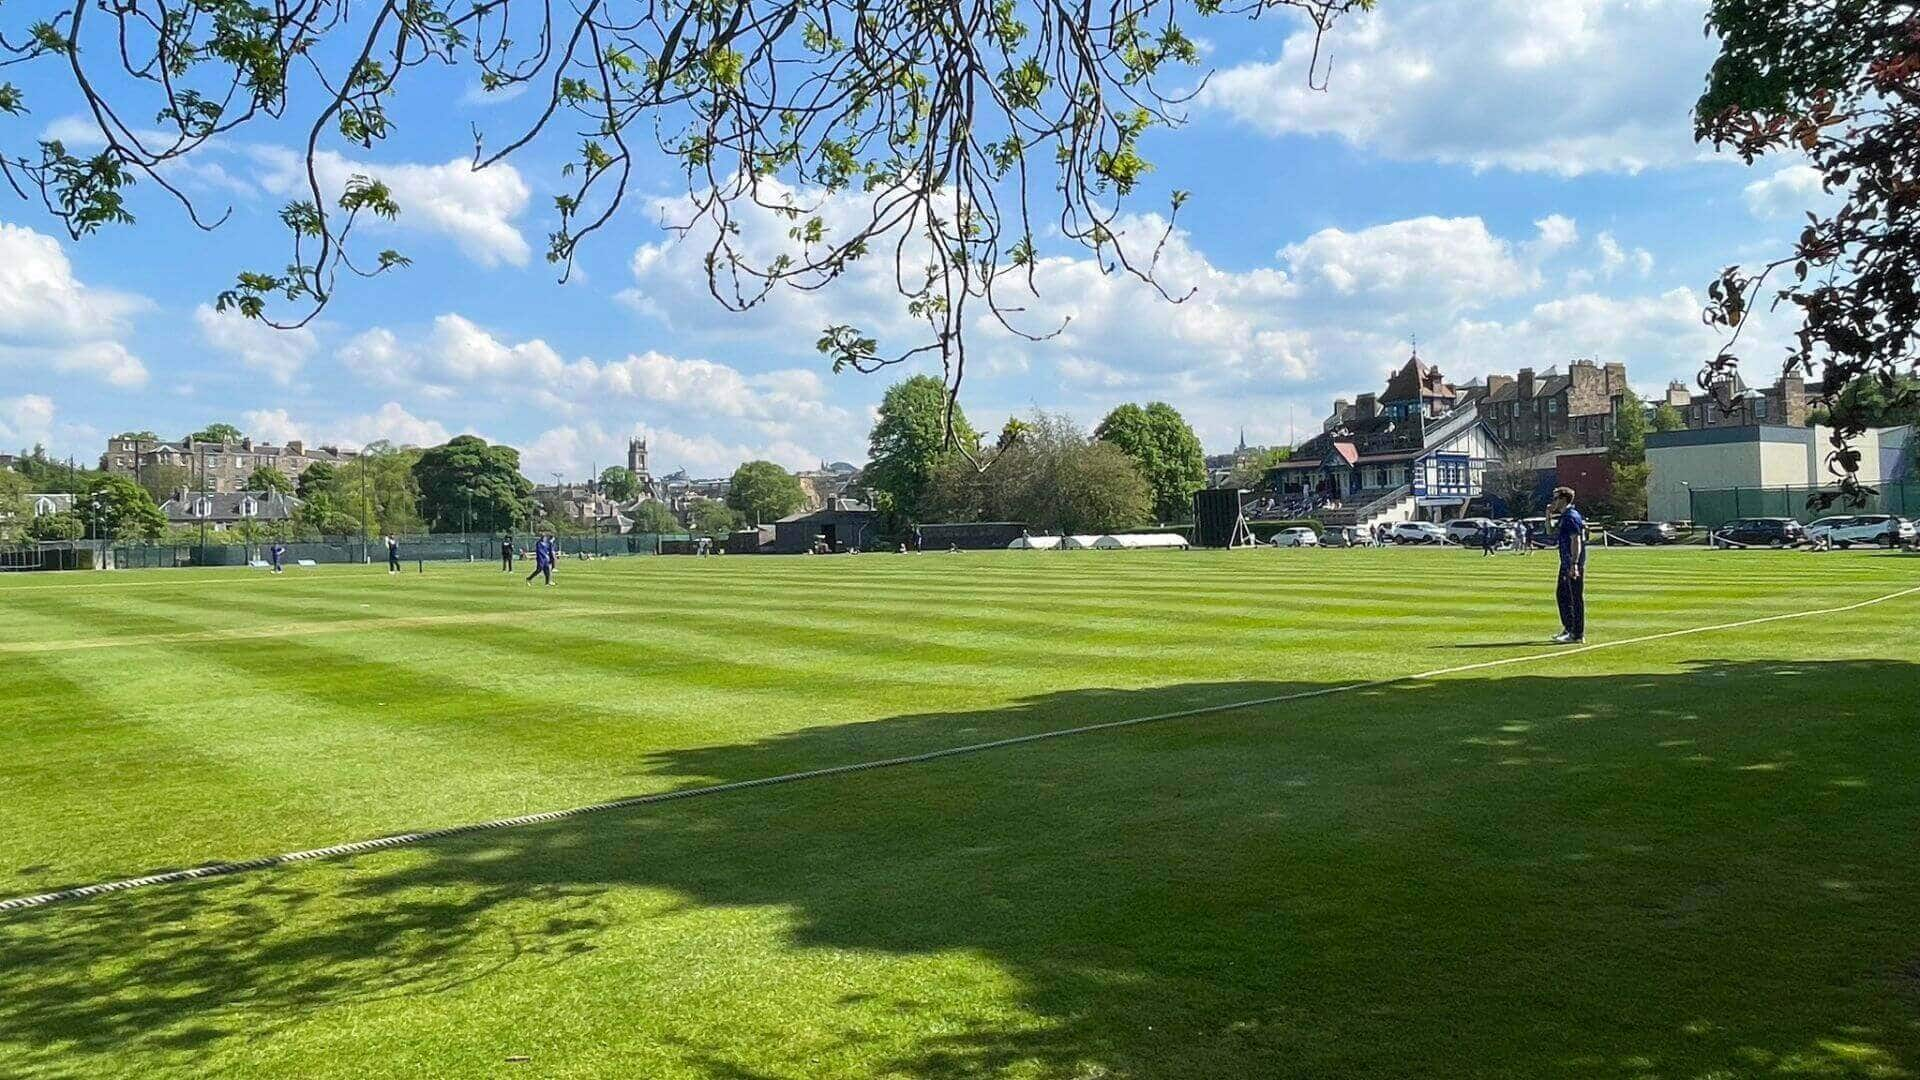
(1368, 406)
(1495, 382)
(1526, 382)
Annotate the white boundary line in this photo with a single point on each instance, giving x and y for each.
(81, 892)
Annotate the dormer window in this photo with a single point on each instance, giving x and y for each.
(249, 508)
(43, 507)
(203, 507)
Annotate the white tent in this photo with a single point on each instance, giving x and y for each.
(1035, 543)
(1132, 541)
(1078, 543)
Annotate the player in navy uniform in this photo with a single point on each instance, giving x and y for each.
(1572, 534)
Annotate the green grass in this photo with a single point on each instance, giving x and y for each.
(1692, 857)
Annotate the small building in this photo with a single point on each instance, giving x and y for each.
(1705, 464)
(841, 525)
(224, 509)
(40, 504)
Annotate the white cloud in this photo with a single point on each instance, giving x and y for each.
(1557, 231)
(1435, 263)
(1789, 193)
(26, 420)
(41, 302)
(1613, 257)
(278, 353)
(1660, 337)
(108, 361)
(473, 208)
(1562, 86)
(391, 422)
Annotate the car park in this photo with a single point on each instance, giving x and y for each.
(1759, 532)
(1347, 536)
(1818, 530)
(1418, 532)
(1299, 536)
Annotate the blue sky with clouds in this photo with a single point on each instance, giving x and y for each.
(1513, 181)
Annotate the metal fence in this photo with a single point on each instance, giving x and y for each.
(1714, 508)
(457, 547)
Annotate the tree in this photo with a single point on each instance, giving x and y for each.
(1668, 418)
(269, 479)
(217, 433)
(1627, 461)
(317, 477)
(137, 436)
(619, 483)
(1836, 84)
(653, 516)
(1870, 402)
(908, 441)
(1166, 450)
(468, 485)
(946, 129)
(116, 508)
(15, 512)
(379, 489)
(65, 525)
(763, 491)
(1514, 482)
(46, 475)
(1052, 477)
(711, 518)
(1250, 471)
(321, 514)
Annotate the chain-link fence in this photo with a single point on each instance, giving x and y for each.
(440, 547)
(1714, 508)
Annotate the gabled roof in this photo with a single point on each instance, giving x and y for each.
(1415, 381)
(228, 506)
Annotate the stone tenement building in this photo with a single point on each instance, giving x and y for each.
(1551, 410)
(1733, 403)
(217, 467)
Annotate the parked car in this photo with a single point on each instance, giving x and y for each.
(1818, 530)
(1418, 532)
(1647, 532)
(1467, 530)
(1877, 529)
(1760, 532)
(1348, 536)
(1298, 536)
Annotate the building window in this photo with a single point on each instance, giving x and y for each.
(1380, 478)
(1760, 409)
(1553, 405)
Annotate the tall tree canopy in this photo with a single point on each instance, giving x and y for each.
(1627, 460)
(218, 433)
(1050, 476)
(1836, 83)
(763, 491)
(265, 478)
(379, 489)
(618, 483)
(1250, 471)
(710, 518)
(116, 508)
(908, 441)
(1668, 418)
(960, 132)
(469, 484)
(1871, 402)
(1166, 451)
(653, 516)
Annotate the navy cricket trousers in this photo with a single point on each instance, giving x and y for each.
(1572, 595)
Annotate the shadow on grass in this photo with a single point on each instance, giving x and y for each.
(1652, 875)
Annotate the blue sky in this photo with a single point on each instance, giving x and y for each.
(1513, 181)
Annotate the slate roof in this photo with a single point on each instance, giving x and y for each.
(228, 506)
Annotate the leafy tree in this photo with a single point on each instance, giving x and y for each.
(908, 441)
(1627, 462)
(1052, 478)
(269, 479)
(763, 491)
(653, 516)
(116, 508)
(380, 490)
(953, 127)
(1872, 402)
(65, 525)
(712, 518)
(322, 514)
(469, 484)
(217, 433)
(317, 477)
(1250, 472)
(1166, 450)
(1836, 85)
(15, 512)
(1668, 418)
(49, 476)
(619, 483)
(1514, 482)
(138, 436)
